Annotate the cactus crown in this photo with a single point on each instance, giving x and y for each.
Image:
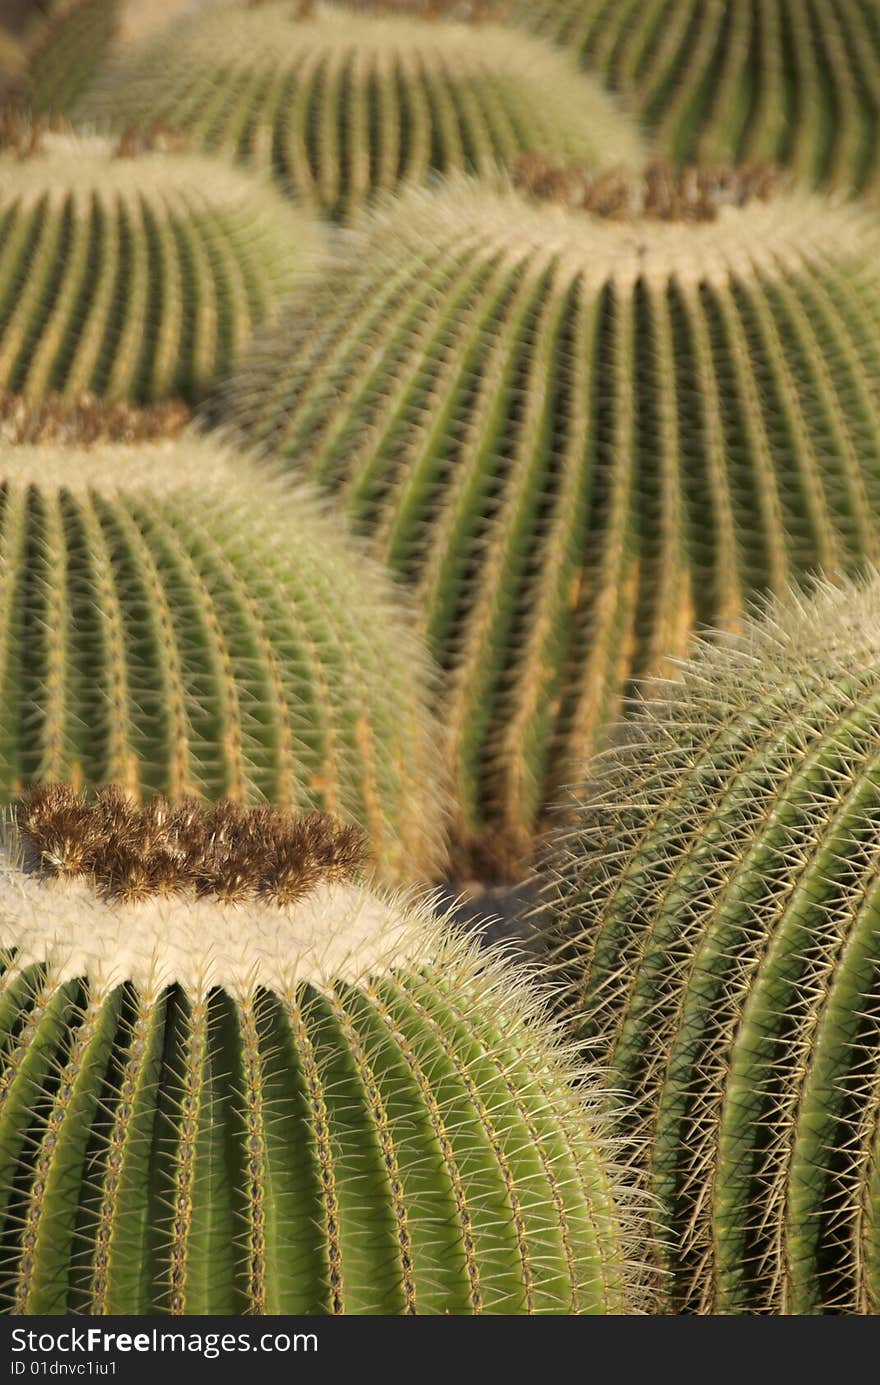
(716, 904)
(577, 439)
(87, 421)
(134, 851)
(60, 162)
(343, 106)
(661, 193)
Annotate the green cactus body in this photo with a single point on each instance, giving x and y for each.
(342, 106)
(738, 81)
(171, 621)
(329, 1108)
(66, 49)
(718, 904)
(139, 277)
(577, 439)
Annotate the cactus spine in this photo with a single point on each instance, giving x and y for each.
(577, 438)
(330, 1107)
(135, 277)
(174, 622)
(342, 106)
(732, 80)
(717, 902)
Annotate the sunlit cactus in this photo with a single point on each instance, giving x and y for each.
(716, 919)
(736, 80)
(321, 1104)
(578, 437)
(341, 105)
(172, 621)
(131, 272)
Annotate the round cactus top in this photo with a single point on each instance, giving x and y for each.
(770, 236)
(827, 636)
(560, 109)
(162, 466)
(190, 894)
(274, 31)
(64, 163)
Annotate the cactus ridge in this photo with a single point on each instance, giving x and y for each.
(343, 106)
(798, 84)
(135, 278)
(716, 919)
(193, 629)
(339, 1107)
(576, 440)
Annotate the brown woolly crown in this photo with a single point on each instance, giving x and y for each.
(661, 193)
(87, 421)
(132, 852)
(22, 134)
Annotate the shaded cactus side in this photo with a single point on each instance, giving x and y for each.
(12, 70)
(342, 106)
(134, 277)
(334, 1107)
(65, 51)
(731, 80)
(576, 440)
(716, 904)
(172, 621)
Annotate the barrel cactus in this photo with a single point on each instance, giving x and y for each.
(132, 272)
(576, 438)
(343, 105)
(173, 621)
(716, 920)
(736, 80)
(304, 1097)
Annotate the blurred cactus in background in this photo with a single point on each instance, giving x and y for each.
(579, 434)
(129, 268)
(736, 80)
(339, 106)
